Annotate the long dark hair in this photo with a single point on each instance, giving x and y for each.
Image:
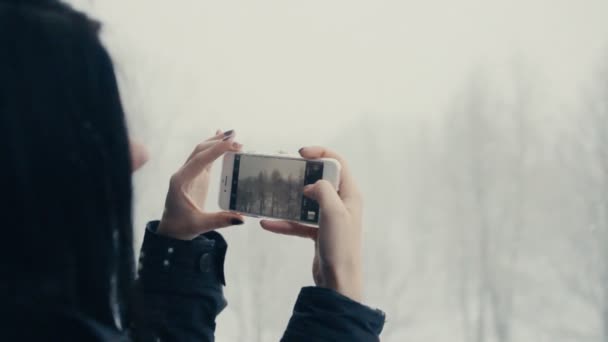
(65, 179)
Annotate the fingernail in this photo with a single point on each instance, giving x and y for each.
(236, 145)
(227, 137)
(236, 221)
(307, 187)
(228, 133)
(300, 150)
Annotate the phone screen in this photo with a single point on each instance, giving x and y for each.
(268, 186)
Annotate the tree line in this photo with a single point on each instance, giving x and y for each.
(271, 194)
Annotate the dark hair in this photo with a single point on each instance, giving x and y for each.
(65, 184)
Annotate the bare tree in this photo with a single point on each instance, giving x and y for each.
(469, 139)
(513, 213)
(488, 142)
(585, 157)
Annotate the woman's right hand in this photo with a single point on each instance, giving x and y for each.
(184, 216)
(337, 263)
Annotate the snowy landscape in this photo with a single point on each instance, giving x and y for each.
(270, 187)
(477, 130)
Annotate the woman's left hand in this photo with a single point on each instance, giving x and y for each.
(184, 217)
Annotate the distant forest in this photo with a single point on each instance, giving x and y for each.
(271, 195)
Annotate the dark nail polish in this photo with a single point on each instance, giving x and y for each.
(228, 133)
(236, 221)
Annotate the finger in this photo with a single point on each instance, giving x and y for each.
(210, 221)
(289, 228)
(201, 147)
(327, 196)
(205, 158)
(220, 135)
(348, 187)
(210, 142)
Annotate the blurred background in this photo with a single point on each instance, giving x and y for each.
(476, 129)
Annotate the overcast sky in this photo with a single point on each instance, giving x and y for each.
(288, 72)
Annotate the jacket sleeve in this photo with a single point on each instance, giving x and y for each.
(179, 289)
(322, 314)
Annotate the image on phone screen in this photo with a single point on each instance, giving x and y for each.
(272, 187)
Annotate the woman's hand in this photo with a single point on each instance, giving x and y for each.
(337, 263)
(183, 217)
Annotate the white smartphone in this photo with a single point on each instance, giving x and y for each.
(268, 185)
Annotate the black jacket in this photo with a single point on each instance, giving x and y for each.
(179, 293)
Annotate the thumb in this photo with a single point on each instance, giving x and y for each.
(324, 193)
(289, 228)
(210, 221)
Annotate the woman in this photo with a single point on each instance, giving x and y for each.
(67, 261)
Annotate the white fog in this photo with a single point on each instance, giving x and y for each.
(477, 131)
